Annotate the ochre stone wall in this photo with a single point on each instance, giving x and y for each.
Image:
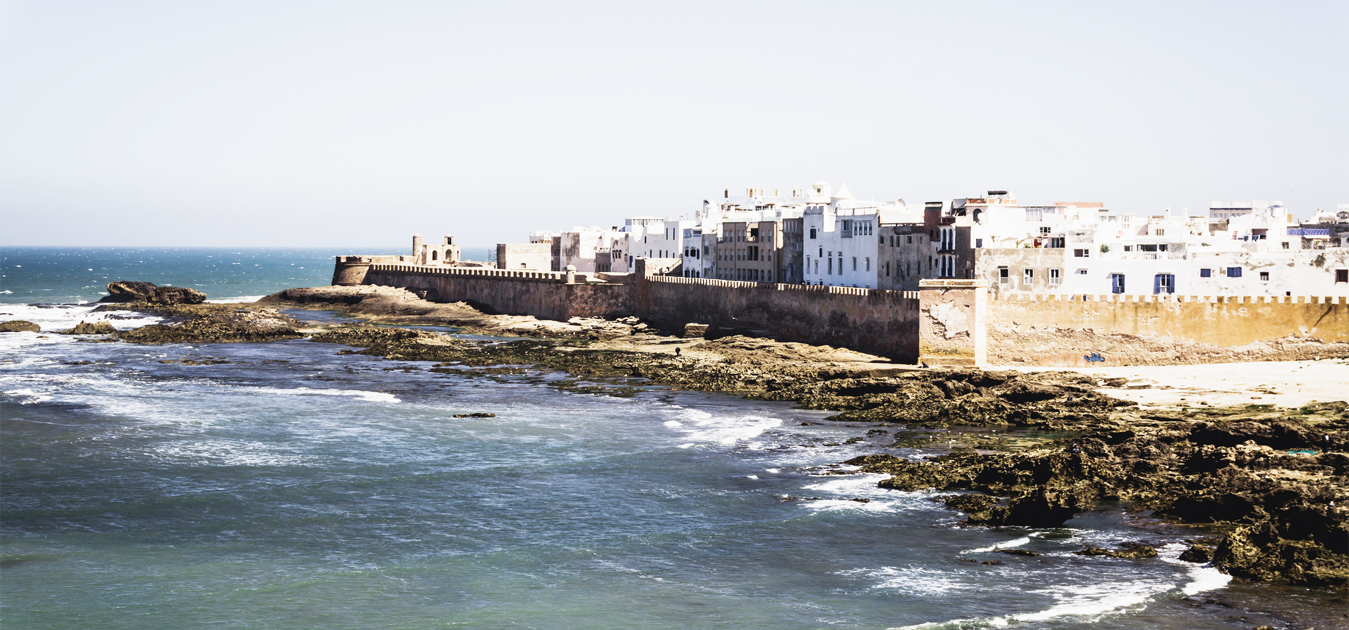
(543, 294)
(877, 322)
(951, 327)
(1216, 321)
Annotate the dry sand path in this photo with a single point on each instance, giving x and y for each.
(1279, 383)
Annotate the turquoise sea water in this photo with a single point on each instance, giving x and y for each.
(287, 486)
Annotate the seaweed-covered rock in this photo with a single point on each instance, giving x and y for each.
(19, 325)
(1130, 551)
(95, 328)
(1198, 553)
(1037, 508)
(217, 325)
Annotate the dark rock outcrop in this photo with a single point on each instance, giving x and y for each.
(95, 328)
(215, 323)
(19, 325)
(1130, 551)
(132, 291)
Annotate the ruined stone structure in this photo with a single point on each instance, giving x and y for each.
(951, 325)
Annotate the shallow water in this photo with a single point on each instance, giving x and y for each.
(290, 487)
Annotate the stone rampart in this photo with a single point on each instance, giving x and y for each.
(543, 294)
(946, 322)
(1220, 321)
(878, 322)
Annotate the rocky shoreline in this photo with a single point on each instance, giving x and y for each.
(1270, 484)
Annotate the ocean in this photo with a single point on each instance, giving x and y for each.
(283, 485)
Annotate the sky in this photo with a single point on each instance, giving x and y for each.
(294, 123)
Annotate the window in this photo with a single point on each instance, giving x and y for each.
(1285, 244)
(1003, 277)
(1054, 278)
(1164, 283)
(854, 263)
(1205, 273)
(978, 242)
(1161, 232)
(831, 266)
(1264, 276)
(887, 269)
(1117, 283)
(1342, 275)
(868, 263)
(1057, 242)
(1081, 272)
(910, 239)
(1081, 253)
(1044, 230)
(1128, 248)
(1027, 276)
(1234, 272)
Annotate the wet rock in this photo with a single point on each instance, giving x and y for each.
(95, 328)
(1018, 552)
(973, 503)
(1038, 508)
(476, 414)
(1132, 551)
(1261, 552)
(131, 291)
(1198, 553)
(1281, 434)
(19, 325)
(215, 323)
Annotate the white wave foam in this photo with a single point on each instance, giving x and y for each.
(1090, 603)
(1202, 578)
(1003, 545)
(228, 453)
(377, 397)
(862, 486)
(28, 396)
(705, 428)
(913, 580)
(55, 317)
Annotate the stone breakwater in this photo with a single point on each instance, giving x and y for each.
(1027, 449)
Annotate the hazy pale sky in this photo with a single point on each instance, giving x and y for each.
(343, 123)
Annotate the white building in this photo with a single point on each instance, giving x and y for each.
(1248, 252)
(842, 233)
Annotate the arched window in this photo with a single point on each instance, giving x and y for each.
(433, 254)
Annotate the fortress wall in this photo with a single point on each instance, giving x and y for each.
(1223, 321)
(878, 322)
(543, 294)
(1041, 330)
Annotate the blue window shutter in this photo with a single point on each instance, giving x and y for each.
(1157, 283)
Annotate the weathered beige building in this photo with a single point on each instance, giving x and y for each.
(749, 251)
(532, 256)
